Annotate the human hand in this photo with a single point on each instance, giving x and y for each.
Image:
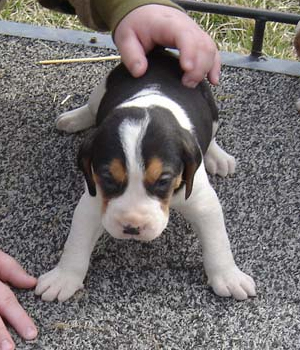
(10, 310)
(150, 25)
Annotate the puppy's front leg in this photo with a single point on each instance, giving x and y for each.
(67, 277)
(204, 211)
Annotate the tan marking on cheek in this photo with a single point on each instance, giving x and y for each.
(165, 205)
(105, 200)
(154, 170)
(96, 179)
(177, 182)
(104, 204)
(117, 170)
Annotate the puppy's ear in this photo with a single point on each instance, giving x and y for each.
(85, 161)
(191, 158)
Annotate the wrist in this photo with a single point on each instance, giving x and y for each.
(112, 12)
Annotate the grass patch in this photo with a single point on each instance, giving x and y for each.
(234, 34)
(29, 11)
(230, 33)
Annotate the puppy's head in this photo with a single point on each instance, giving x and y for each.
(134, 162)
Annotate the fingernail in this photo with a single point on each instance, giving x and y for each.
(136, 69)
(217, 80)
(30, 333)
(6, 345)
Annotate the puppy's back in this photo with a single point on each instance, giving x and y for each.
(164, 76)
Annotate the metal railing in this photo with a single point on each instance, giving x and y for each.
(260, 16)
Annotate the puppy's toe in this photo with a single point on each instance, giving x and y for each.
(233, 283)
(211, 165)
(223, 165)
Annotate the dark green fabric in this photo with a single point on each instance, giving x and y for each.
(113, 11)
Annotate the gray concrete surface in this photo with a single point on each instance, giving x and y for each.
(154, 295)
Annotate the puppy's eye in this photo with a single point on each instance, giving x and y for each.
(107, 178)
(161, 187)
(163, 181)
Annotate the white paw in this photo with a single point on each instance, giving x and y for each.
(58, 283)
(233, 283)
(220, 163)
(76, 120)
(66, 123)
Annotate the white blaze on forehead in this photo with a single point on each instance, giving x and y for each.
(132, 133)
(151, 96)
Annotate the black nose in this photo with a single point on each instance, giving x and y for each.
(129, 230)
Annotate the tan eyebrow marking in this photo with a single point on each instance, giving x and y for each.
(154, 170)
(117, 170)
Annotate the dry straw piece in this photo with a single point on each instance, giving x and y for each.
(81, 60)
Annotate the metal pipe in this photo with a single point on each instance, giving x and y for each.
(244, 12)
(258, 38)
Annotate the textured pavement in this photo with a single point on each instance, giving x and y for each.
(151, 295)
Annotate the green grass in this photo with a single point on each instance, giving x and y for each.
(235, 34)
(230, 33)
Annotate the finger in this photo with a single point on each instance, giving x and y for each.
(15, 315)
(192, 61)
(12, 272)
(197, 60)
(188, 53)
(214, 73)
(132, 53)
(202, 68)
(6, 342)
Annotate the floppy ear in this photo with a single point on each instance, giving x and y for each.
(191, 158)
(85, 161)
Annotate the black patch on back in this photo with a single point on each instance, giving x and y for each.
(163, 70)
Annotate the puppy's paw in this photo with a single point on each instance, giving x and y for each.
(217, 161)
(75, 120)
(66, 123)
(58, 283)
(233, 283)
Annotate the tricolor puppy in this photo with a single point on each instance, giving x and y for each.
(152, 141)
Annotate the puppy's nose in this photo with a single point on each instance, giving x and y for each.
(130, 230)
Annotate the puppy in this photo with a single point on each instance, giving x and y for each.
(152, 141)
